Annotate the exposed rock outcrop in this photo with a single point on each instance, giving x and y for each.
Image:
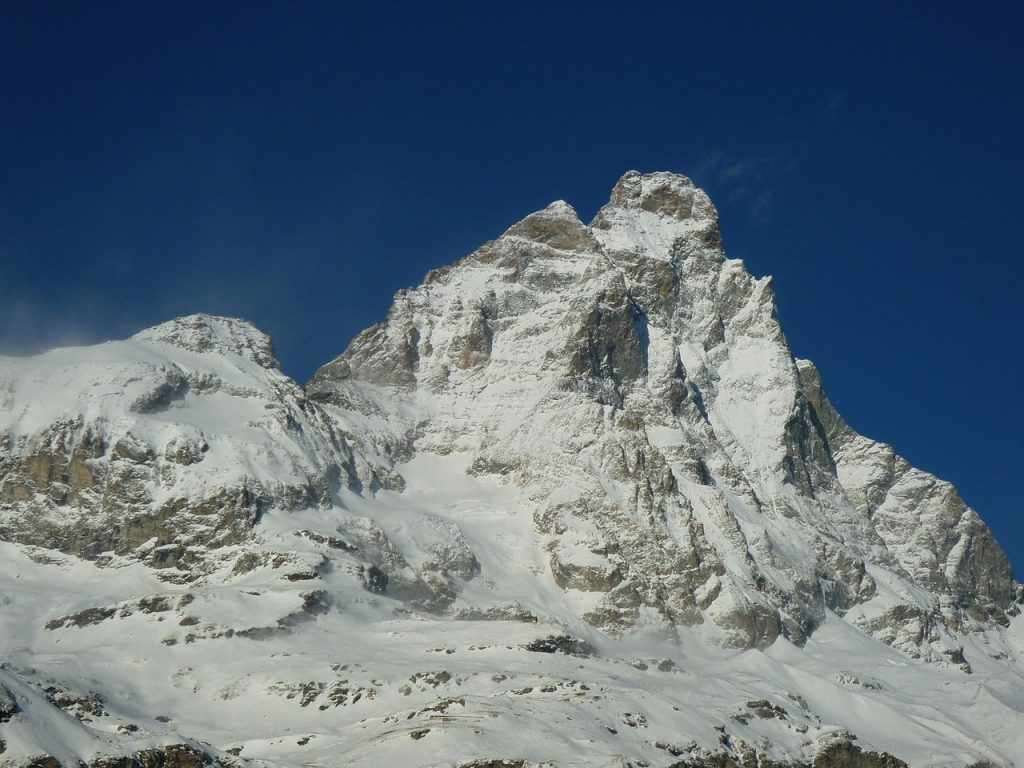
(640, 382)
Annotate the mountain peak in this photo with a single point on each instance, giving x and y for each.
(212, 333)
(664, 193)
(580, 444)
(557, 226)
(667, 202)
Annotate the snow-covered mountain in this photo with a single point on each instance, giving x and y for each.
(574, 503)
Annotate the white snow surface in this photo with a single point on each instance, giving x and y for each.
(592, 432)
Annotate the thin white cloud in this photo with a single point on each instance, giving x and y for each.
(747, 180)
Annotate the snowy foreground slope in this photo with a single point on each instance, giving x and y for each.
(574, 503)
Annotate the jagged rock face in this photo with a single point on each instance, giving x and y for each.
(637, 384)
(938, 542)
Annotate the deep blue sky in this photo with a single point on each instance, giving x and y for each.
(297, 163)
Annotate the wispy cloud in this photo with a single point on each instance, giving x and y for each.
(744, 180)
(753, 180)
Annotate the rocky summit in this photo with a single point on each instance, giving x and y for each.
(573, 503)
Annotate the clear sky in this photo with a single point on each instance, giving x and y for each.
(297, 163)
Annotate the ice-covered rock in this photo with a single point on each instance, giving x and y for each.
(637, 385)
(164, 447)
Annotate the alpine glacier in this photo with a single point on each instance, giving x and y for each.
(574, 503)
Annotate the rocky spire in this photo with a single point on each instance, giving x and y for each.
(630, 361)
(671, 202)
(667, 194)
